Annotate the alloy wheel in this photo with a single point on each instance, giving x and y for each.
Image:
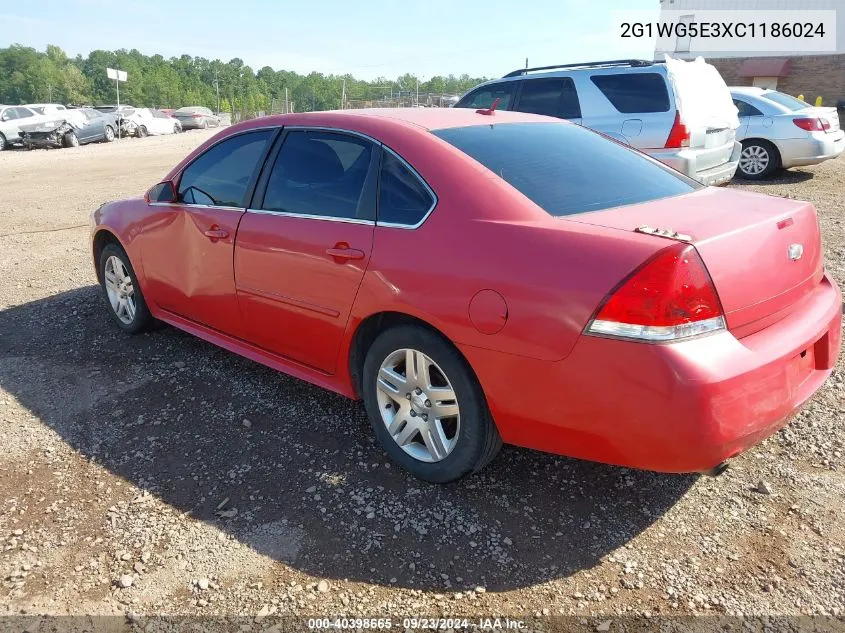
(418, 405)
(120, 290)
(754, 160)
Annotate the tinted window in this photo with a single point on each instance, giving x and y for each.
(567, 169)
(24, 113)
(634, 92)
(323, 174)
(746, 109)
(221, 175)
(551, 97)
(403, 198)
(484, 96)
(785, 100)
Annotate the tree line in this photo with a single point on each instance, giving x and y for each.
(31, 76)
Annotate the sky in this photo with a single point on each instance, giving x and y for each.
(366, 38)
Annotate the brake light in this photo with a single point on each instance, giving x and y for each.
(670, 297)
(812, 125)
(679, 134)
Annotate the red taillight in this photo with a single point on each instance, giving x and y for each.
(812, 125)
(679, 135)
(669, 297)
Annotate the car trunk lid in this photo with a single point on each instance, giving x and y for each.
(763, 253)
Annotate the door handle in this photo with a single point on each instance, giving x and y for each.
(344, 253)
(216, 233)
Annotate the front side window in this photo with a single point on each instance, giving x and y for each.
(221, 176)
(324, 174)
(634, 92)
(403, 198)
(566, 169)
(746, 109)
(484, 96)
(555, 96)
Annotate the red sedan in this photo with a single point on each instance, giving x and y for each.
(486, 277)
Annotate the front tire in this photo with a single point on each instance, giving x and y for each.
(70, 140)
(122, 292)
(3, 143)
(426, 406)
(142, 131)
(759, 159)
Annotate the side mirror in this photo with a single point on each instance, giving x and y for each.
(162, 192)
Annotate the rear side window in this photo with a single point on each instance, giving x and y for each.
(323, 174)
(403, 198)
(634, 92)
(746, 109)
(565, 168)
(484, 96)
(554, 96)
(221, 176)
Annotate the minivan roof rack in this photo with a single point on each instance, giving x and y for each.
(613, 62)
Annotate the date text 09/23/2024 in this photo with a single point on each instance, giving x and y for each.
(418, 624)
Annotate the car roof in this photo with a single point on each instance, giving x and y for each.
(749, 90)
(426, 118)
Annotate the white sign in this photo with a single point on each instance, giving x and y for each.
(119, 75)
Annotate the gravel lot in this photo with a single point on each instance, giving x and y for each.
(159, 474)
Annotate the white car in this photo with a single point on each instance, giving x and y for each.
(46, 108)
(148, 121)
(11, 120)
(778, 130)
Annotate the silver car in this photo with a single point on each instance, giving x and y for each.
(633, 101)
(196, 117)
(778, 130)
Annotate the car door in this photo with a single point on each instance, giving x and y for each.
(187, 249)
(25, 116)
(550, 96)
(301, 252)
(95, 128)
(751, 120)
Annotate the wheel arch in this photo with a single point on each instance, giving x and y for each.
(102, 238)
(369, 329)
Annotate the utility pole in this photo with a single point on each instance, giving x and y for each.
(418, 92)
(217, 88)
(343, 95)
(286, 100)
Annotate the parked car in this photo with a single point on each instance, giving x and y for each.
(11, 119)
(635, 102)
(478, 278)
(146, 121)
(778, 130)
(70, 127)
(196, 117)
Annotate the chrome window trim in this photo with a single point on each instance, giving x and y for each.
(307, 216)
(414, 172)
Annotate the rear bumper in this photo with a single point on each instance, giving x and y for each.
(687, 161)
(682, 407)
(811, 151)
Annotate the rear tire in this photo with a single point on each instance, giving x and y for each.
(121, 291)
(108, 134)
(445, 446)
(759, 159)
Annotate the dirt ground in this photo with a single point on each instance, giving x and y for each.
(159, 474)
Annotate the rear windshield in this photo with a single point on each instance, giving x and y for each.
(565, 168)
(785, 100)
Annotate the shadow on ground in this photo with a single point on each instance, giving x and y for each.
(780, 177)
(166, 412)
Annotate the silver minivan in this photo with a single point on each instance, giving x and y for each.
(633, 101)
